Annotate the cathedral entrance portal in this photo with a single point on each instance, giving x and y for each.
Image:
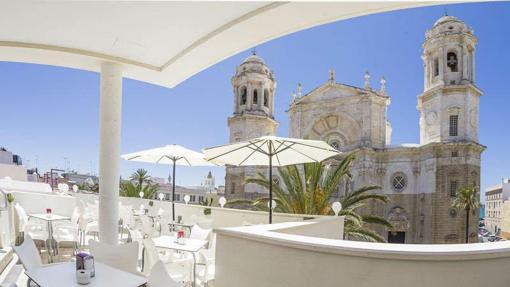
(396, 237)
(398, 218)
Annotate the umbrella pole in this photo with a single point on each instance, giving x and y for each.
(173, 192)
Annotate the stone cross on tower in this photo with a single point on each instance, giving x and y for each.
(293, 95)
(299, 94)
(367, 80)
(383, 85)
(331, 76)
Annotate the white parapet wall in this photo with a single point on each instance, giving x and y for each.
(220, 217)
(269, 255)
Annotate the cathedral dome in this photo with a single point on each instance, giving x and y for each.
(448, 25)
(446, 19)
(254, 65)
(253, 58)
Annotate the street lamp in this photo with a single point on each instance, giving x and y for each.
(161, 196)
(273, 205)
(222, 201)
(336, 206)
(141, 194)
(186, 198)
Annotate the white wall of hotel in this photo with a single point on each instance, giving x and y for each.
(270, 255)
(16, 172)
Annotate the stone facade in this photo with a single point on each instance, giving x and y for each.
(420, 179)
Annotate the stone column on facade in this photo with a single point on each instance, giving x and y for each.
(249, 96)
(426, 78)
(260, 95)
(236, 99)
(441, 60)
(464, 62)
(473, 68)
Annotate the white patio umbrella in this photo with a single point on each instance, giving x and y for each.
(270, 151)
(169, 154)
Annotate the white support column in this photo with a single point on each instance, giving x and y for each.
(110, 112)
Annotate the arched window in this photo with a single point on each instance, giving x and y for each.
(255, 97)
(243, 96)
(266, 98)
(451, 61)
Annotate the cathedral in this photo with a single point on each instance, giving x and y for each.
(421, 179)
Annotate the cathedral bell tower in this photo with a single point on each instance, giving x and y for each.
(449, 104)
(253, 87)
(449, 112)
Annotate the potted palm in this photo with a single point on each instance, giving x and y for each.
(207, 203)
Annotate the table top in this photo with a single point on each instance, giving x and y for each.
(168, 242)
(64, 275)
(49, 217)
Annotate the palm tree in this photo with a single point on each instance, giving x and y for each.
(467, 199)
(140, 180)
(310, 192)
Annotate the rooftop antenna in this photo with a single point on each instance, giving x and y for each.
(445, 11)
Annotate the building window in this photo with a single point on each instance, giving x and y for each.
(266, 98)
(455, 153)
(335, 144)
(192, 198)
(436, 67)
(453, 188)
(452, 61)
(200, 199)
(399, 182)
(255, 97)
(454, 125)
(233, 188)
(243, 96)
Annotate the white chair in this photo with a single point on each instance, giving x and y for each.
(200, 233)
(28, 255)
(150, 255)
(123, 257)
(210, 251)
(147, 226)
(179, 271)
(36, 230)
(205, 223)
(205, 271)
(67, 237)
(159, 277)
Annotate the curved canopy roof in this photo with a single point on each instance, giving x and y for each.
(162, 43)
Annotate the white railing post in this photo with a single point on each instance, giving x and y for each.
(110, 113)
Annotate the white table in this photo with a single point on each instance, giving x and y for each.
(49, 218)
(64, 275)
(191, 245)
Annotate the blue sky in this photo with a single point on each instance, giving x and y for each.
(50, 113)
